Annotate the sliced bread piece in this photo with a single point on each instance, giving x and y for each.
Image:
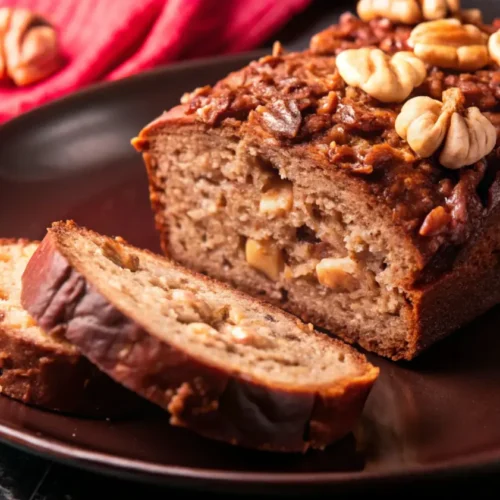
(223, 364)
(41, 370)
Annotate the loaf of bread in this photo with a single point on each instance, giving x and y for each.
(223, 364)
(45, 371)
(316, 181)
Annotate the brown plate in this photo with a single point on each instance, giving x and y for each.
(73, 159)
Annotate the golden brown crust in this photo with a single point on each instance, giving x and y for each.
(207, 399)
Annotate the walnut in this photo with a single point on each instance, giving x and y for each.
(494, 47)
(466, 134)
(30, 50)
(277, 199)
(117, 254)
(388, 79)
(202, 329)
(338, 274)
(264, 257)
(448, 43)
(398, 11)
(407, 11)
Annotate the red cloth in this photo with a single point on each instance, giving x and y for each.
(112, 39)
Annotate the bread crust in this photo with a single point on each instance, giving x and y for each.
(56, 376)
(213, 402)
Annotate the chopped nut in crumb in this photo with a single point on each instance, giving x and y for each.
(202, 329)
(119, 255)
(277, 199)
(265, 257)
(338, 273)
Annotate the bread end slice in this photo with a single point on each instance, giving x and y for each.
(223, 364)
(44, 371)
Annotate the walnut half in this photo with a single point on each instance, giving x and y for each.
(407, 11)
(388, 79)
(466, 134)
(448, 43)
(494, 47)
(29, 50)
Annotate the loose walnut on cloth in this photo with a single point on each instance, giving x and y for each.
(29, 48)
(465, 133)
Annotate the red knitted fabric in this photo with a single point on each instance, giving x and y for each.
(111, 39)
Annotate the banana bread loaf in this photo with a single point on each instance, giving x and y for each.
(44, 371)
(354, 184)
(222, 363)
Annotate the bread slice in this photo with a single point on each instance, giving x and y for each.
(223, 364)
(291, 185)
(41, 370)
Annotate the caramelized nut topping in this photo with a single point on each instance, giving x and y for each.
(448, 43)
(426, 123)
(388, 79)
(264, 257)
(436, 222)
(281, 117)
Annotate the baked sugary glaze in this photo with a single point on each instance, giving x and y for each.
(222, 363)
(44, 371)
(285, 155)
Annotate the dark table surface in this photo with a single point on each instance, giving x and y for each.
(28, 477)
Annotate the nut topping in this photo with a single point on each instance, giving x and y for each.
(448, 43)
(407, 11)
(426, 124)
(264, 257)
(494, 47)
(277, 199)
(388, 79)
(398, 11)
(29, 47)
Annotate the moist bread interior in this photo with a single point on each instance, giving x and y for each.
(211, 202)
(278, 350)
(13, 317)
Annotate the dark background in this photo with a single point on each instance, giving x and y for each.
(27, 477)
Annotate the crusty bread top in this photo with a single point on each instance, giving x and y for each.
(211, 322)
(14, 255)
(277, 99)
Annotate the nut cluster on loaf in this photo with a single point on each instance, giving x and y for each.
(405, 96)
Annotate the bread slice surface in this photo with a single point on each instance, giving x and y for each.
(222, 363)
(41, 370)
